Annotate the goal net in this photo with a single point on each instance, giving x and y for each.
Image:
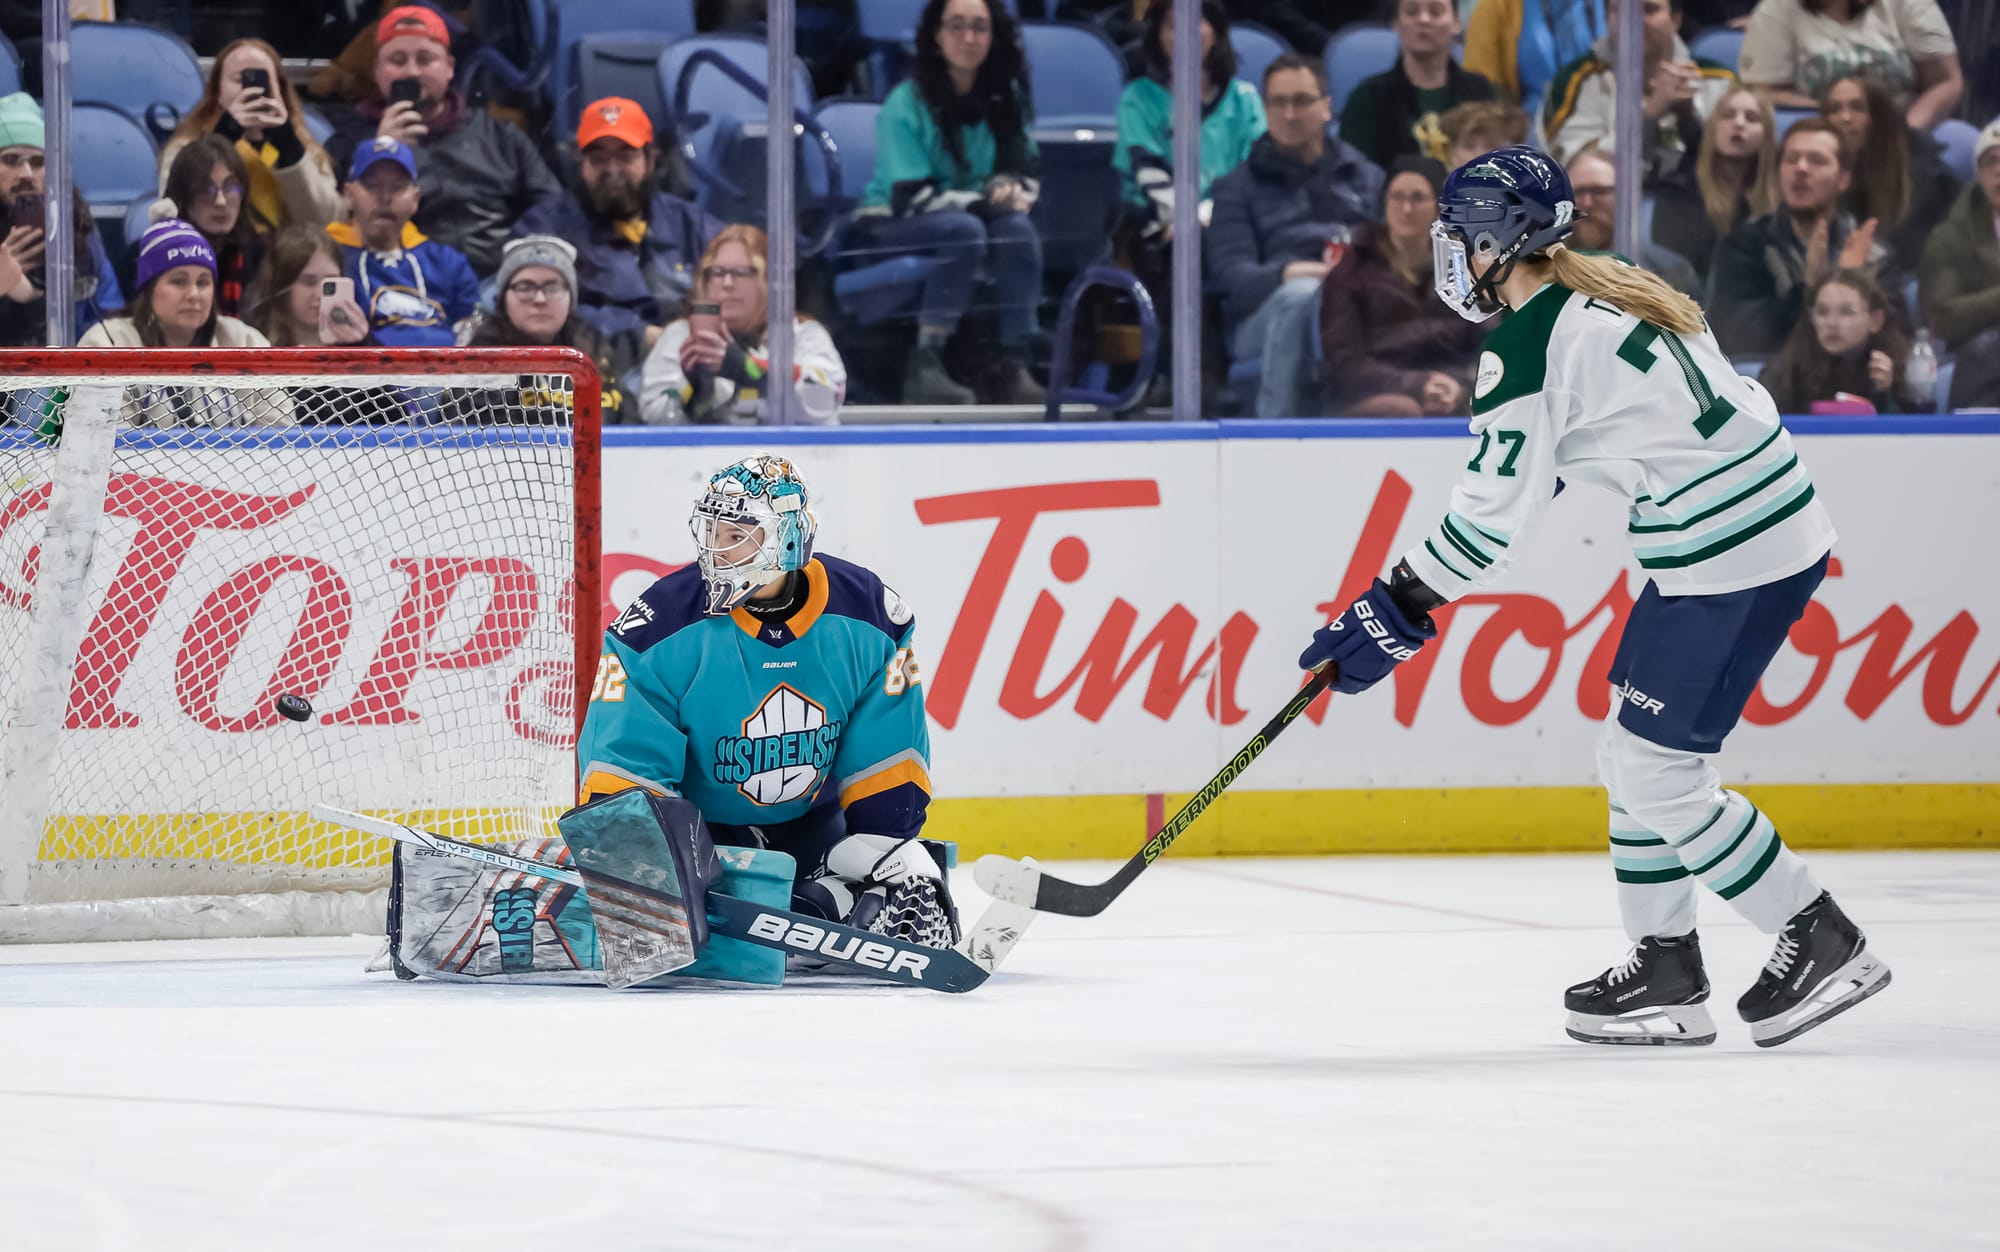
(405, 540)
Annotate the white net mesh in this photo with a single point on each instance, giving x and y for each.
(396, 547)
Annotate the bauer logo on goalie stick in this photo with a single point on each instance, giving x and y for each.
(809, 938)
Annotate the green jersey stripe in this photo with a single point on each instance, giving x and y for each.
(1754, 526)
(1723, 468)
(1625, 839)
(1713, 510)
(1452, 537)
(1675, 874)
(1736, 841)
(1491, 536)
(1756, 871)
(1439, 558)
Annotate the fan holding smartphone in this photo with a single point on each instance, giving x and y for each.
(249, 102)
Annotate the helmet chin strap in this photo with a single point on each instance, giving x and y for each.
(1487, 286)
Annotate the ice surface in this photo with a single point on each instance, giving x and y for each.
(1354, 1053)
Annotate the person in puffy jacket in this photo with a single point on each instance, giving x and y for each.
(1275, 215)
(477, 172)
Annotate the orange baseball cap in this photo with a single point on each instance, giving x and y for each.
(412, 19)
(614, 117)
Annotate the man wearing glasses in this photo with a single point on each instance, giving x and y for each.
(1275, 216)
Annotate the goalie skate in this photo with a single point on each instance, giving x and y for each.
(1656, 995)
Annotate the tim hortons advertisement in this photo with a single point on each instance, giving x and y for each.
(1115, 618)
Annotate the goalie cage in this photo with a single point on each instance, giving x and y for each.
(408, 539)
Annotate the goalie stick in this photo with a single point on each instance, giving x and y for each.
(955, 969)
(1022, 882)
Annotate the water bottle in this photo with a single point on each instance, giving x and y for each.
(1920, 372)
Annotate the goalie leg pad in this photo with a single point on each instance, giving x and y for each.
(647, 864)
(462, 921)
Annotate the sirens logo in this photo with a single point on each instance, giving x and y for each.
(784, 750)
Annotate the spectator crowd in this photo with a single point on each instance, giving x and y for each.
(1810, 172)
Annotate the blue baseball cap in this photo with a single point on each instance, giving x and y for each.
(382, 148)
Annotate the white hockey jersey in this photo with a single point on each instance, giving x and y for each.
(1577, 388)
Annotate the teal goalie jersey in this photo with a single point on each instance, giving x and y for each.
(754, 720)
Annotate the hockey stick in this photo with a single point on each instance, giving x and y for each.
(1021, 882)
(956, 969)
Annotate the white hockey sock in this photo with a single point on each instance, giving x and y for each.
(1738, 855)
(1655, 894)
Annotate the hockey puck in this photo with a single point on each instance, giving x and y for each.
(297, 708)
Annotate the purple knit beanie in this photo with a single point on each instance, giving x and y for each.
(169, 243)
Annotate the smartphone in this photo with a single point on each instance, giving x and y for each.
(408, 89)
(704, 317)
(255, 80)
(336, 298)
(28, 209)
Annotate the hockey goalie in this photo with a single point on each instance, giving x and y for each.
(766, 708)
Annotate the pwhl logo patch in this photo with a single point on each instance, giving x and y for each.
(784, 750)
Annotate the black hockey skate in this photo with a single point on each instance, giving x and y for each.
(1820, 967)
(1654, 996)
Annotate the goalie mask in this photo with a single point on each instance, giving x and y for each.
(751, 527)
(1512, 202)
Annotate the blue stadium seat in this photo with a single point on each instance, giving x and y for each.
(316, 124)
(720, 118)
(1360, 51)
(1076, 75)
(1749, 366)
(570, 21)
(1255, 48)
(1719, 44)
(866, 291)
(114, 160)
(889, 29)
(1787, 118)
(10, 67)
(1957, 138)
(149, 74)
(713, 93)
(619, 63)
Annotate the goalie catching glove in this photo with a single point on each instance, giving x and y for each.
(890, 886)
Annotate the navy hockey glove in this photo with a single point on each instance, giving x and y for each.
(1367, 641)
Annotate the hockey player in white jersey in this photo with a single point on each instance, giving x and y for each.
(1605, 375)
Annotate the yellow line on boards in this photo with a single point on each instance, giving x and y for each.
(1465, 819)
(1239, 823)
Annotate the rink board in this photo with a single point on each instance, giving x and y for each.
(1106, 613)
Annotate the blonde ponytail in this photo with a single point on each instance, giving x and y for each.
(1645, 296)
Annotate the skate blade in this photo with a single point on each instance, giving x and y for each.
(1672, 1025)
(1843, 989)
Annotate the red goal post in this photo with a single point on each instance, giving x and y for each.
(407, 538)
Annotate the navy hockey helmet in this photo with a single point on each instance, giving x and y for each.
(1510, 203)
